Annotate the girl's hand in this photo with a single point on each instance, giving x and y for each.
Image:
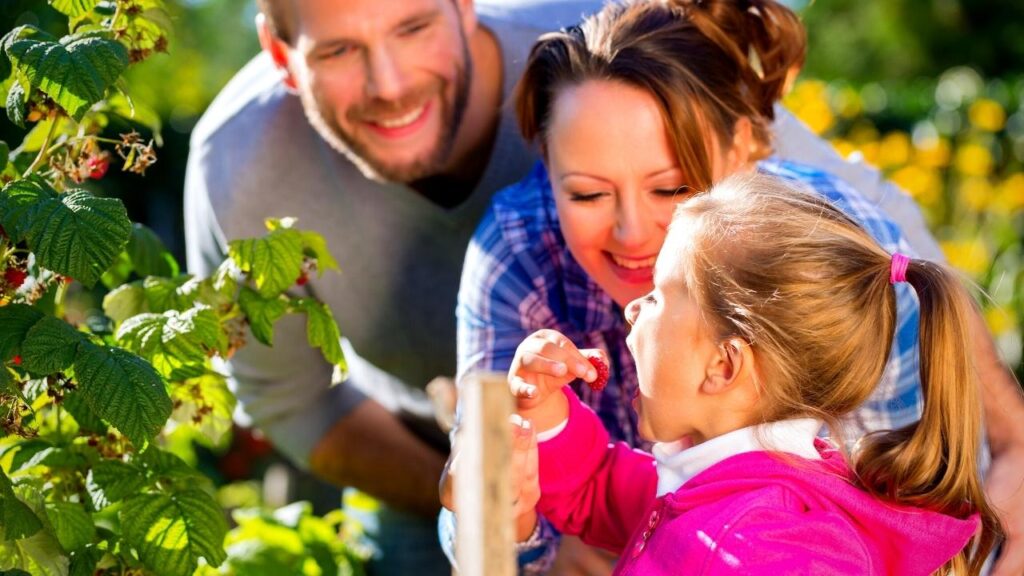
(543, 363)
(525, 480)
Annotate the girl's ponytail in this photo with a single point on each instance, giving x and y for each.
(933, 463)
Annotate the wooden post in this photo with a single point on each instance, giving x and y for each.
(483, 491)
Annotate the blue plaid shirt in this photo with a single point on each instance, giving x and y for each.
(519, 277)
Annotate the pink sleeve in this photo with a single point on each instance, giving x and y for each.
(591, 488)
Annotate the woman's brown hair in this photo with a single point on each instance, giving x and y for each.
(810, 291)
(708, 63)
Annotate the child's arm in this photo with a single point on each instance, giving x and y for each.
(587, 486)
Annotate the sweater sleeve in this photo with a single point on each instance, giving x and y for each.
(590, 487)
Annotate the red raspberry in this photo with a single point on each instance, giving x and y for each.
(15, 277)
(17, 360)
(602, 373)
(98, 166)
(302, 279)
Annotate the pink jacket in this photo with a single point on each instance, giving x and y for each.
(753, 513)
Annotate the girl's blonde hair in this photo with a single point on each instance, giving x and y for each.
(810, 291)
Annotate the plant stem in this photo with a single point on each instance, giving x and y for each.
(44, 149)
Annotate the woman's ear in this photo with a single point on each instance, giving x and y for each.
(277, 49)
(727, 367)
(743, 145)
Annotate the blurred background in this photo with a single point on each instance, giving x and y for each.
(929, 91)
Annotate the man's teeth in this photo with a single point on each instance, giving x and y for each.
(403, 120)
(634, 264)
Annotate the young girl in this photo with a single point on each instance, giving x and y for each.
(772, 313)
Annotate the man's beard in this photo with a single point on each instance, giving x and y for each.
(375, 168)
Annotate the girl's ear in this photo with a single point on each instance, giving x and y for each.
(277, 49)
(724, 371)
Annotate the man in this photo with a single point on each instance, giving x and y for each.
(380, 124)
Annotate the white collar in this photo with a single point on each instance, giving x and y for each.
(677, 466)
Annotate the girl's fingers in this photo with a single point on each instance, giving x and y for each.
(539, 364)
(521, 388)
(525, 486)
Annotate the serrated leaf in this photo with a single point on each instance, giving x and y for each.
(322, 331)
(78, 407)
(73, 8)
(315, 244)
(6, 380)
(84, 561)
(74, 72)
(168, 293)
(15, 322)
(17, 520)
(75, 234)
(40, 554)
(124, 390)
(262, 313)
(49, 456)
(17, 98)
(50, 346)
(72, 525)
(118, 272)
(176, 342)
(274, 261)
(171, 532)
(112, 481)
(214, 392)
(125, 301)
(163, 463)
(148, 254)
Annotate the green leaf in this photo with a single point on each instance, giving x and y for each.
(5, 151)
(274, 261)
(171, 532)
(123, 106)
(262, 313)
(75, 234)
(211, 391)
(112, 481)
(177, 343)
(17, 98)
(316, 246)
(71, 523)
(148, 254)
(168, 465)
(6, 380)
(17, 520)
(50, 346)
(168, 293)
(124, 390)
(118, 272)
(73, 8)
(125, 301)
(15, 322)
(84, 561)
(74, 72)
(78, 407)
(322, 331)
(39, 554)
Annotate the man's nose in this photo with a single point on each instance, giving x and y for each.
(384, 78)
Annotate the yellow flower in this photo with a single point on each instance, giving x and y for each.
(970, 256)
(922, 183)
(1010, 195)
(894, 150)
(843, 147)
(808, 101)
(1000, 320)
(973, 160)
(933, 153)
(976, 193)
(986, 114)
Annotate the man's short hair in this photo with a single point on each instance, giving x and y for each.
(280, 15)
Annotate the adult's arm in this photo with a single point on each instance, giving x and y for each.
(1000, 393)
(285, 390)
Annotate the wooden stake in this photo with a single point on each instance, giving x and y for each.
(483, 492)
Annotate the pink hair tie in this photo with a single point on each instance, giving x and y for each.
(898, 268)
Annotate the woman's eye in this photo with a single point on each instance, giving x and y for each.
(585, 197)
(678, 193)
